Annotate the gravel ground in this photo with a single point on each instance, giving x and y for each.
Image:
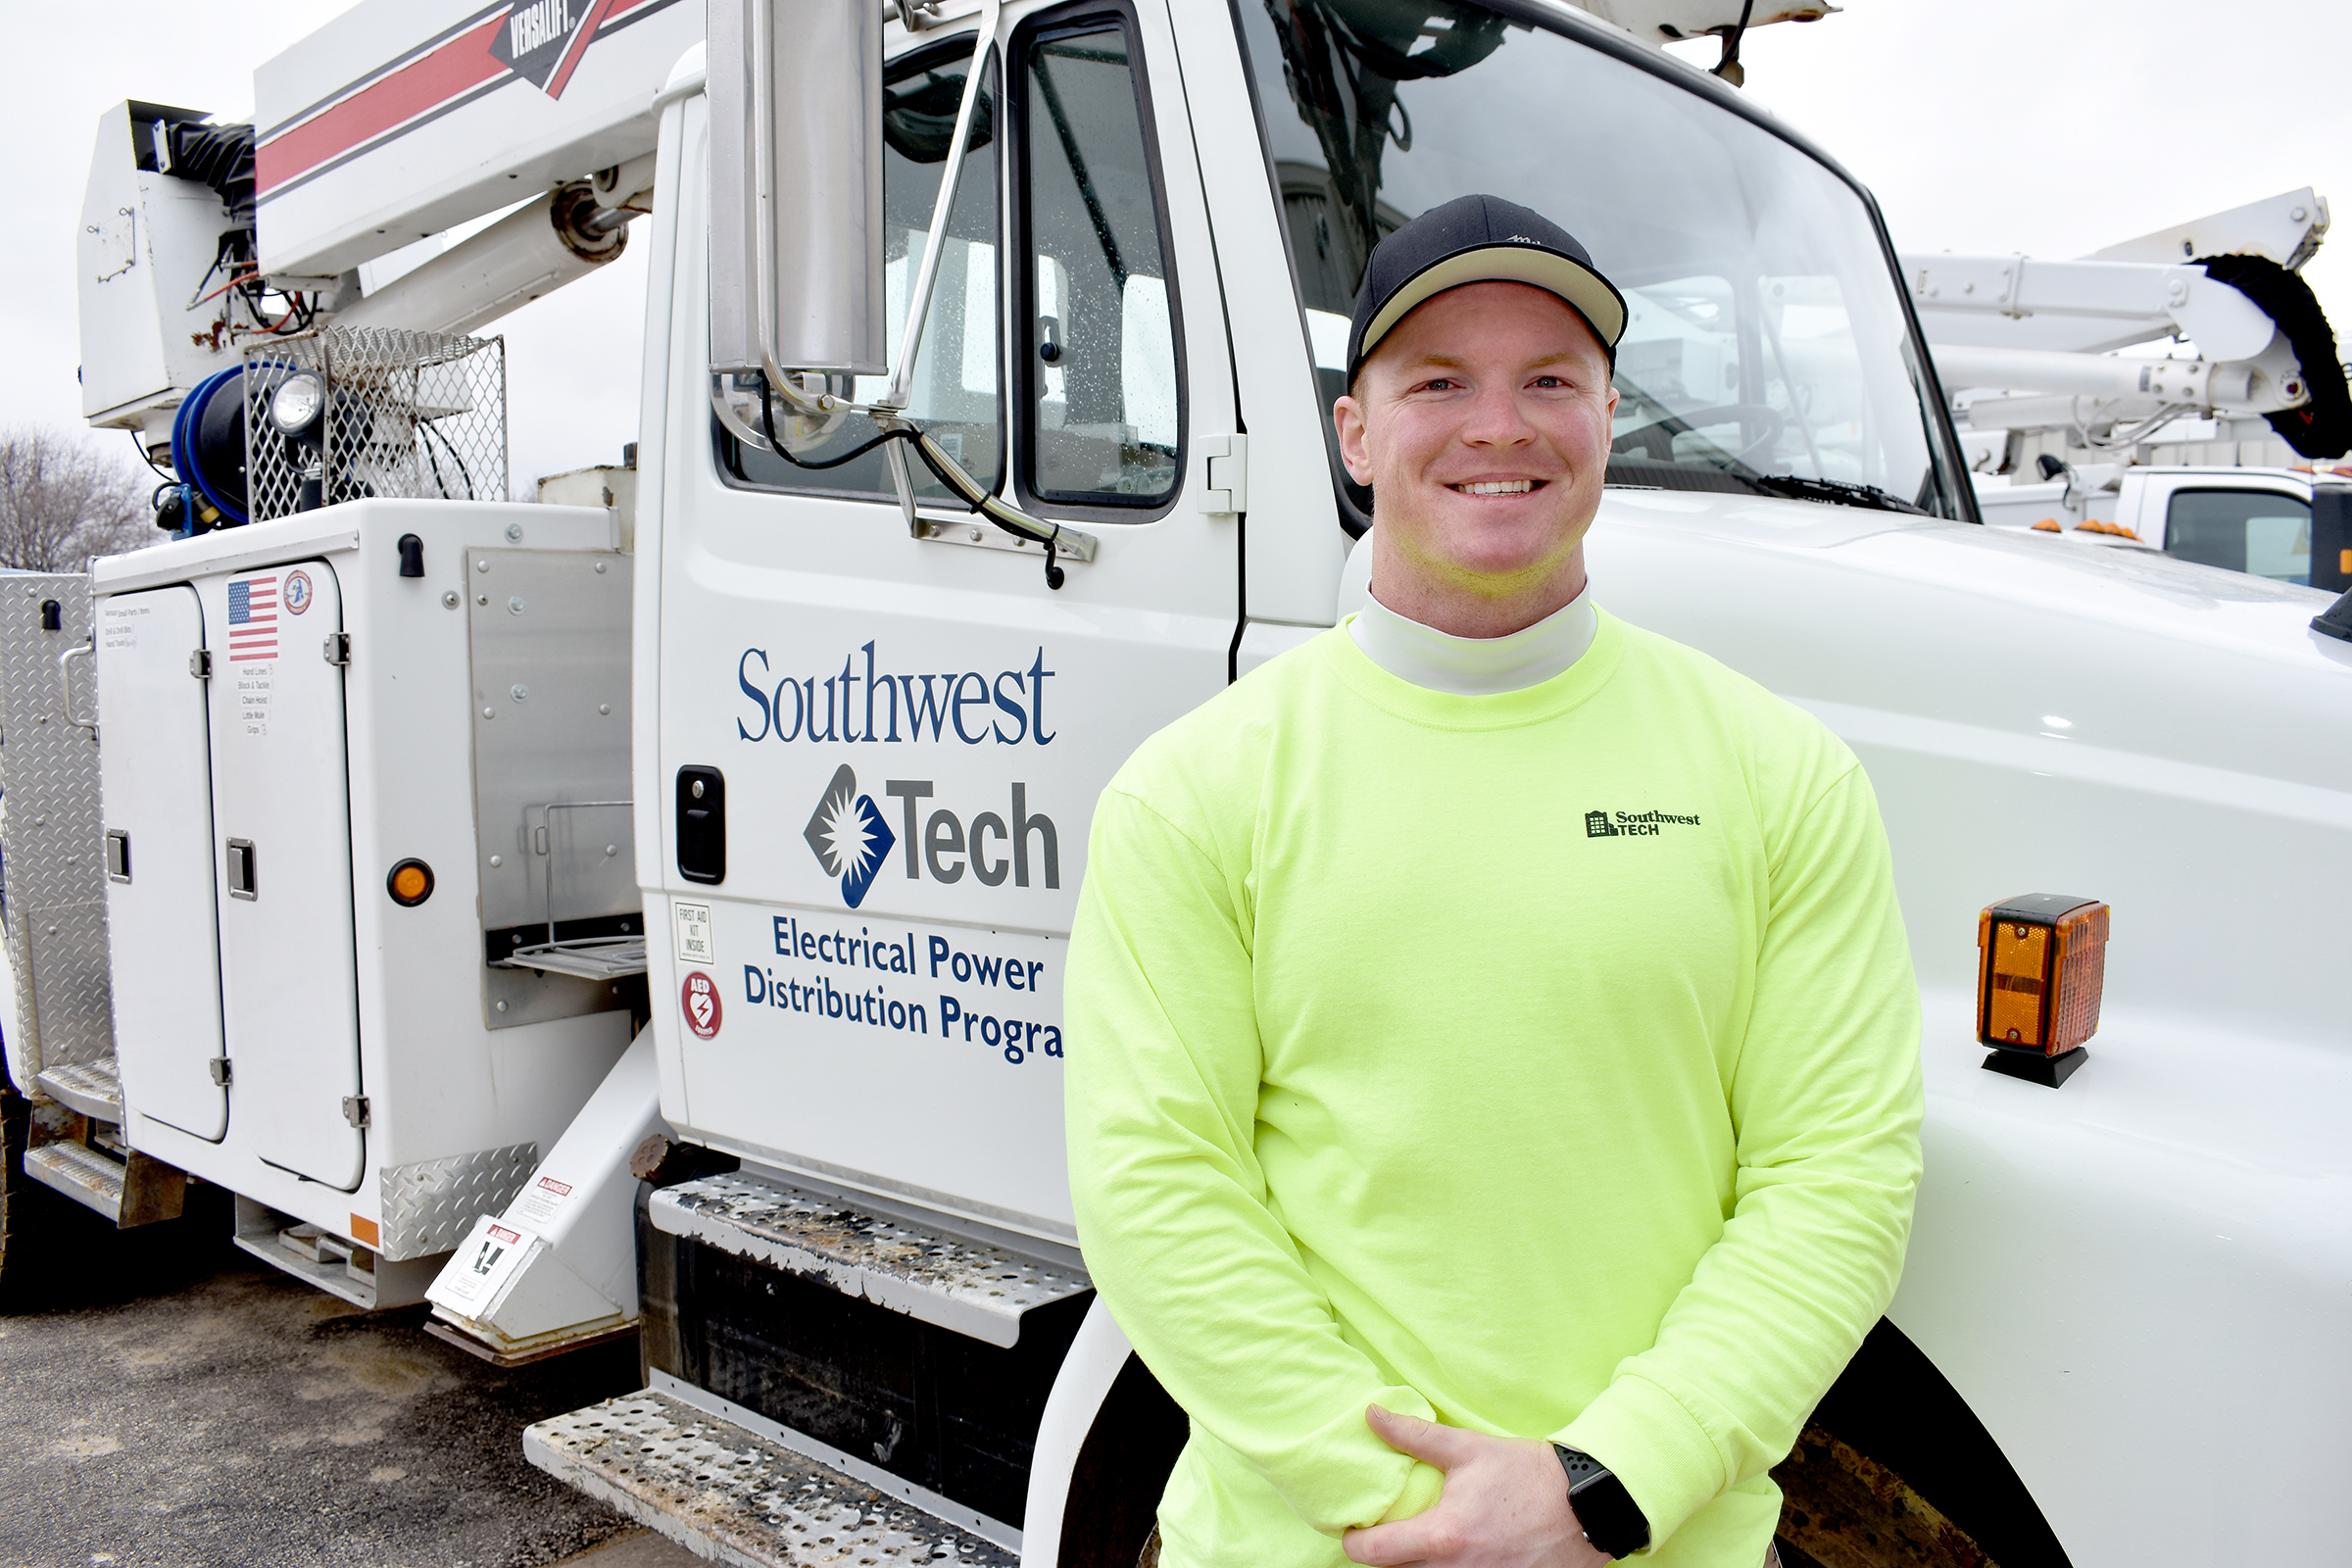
(229, 1416)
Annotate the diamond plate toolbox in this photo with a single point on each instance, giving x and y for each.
(430, 1206)
(52, 834)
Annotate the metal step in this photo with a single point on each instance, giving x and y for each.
(90, 1088)
(973, 1289)
(82, 1173)
(733, 1497)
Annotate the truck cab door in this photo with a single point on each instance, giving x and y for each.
(894, 737)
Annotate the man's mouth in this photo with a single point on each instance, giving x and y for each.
(1497, 487)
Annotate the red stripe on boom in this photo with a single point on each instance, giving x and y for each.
(464, 63)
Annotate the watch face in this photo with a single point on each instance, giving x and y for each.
(1612, 1521)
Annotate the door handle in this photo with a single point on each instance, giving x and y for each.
(65, 676)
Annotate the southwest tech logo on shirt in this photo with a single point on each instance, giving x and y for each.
(1632, 824)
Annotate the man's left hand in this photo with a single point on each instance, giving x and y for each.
(1504, 1504)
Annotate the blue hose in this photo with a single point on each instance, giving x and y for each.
(184, 438)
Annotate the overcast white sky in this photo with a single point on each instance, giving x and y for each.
(2048, 127)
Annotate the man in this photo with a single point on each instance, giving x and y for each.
(1498, 1064)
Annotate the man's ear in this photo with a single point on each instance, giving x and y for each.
(1348, 417)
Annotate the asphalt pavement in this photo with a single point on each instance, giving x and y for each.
(213, 1413)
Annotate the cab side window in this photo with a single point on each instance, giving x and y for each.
(1101, 418)
(2254, 531)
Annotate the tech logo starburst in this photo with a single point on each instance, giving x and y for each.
(849, 837)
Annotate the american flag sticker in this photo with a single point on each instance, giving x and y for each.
(253, 618)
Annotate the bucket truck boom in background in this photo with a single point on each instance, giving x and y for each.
(649, 915)
(2074, 426)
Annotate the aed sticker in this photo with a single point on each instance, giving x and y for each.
(481, 1267)
(297, 592)
(541, 1201)
(699, 999)
(694, 944)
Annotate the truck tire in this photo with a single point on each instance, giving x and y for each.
(1895, 1471)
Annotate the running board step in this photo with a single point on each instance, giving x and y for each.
(82, 1173)
(968, 1287)
(91, 1088)
(731, 1497)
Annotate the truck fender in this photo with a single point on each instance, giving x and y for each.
(1105, 1447)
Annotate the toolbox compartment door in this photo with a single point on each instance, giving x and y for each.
(282, 842)
(156, 782)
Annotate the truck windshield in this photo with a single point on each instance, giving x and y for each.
(1766, 350)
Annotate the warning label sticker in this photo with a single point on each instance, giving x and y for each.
(480, 1267)
(541, 1201)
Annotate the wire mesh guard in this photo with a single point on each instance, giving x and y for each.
(352, 412)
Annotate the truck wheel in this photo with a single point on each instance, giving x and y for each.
(1895, 1471)
(1839, 1508)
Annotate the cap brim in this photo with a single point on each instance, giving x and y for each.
(1586, 291)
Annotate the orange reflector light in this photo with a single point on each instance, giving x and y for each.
(409, 884)
(2344, 562)
(2041, 961)
(2094, 526)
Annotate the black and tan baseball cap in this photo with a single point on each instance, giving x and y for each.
(1479, 239)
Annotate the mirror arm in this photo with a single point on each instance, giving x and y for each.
(968, 490)
(918, 299)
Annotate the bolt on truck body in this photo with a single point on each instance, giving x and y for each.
(1098, 257)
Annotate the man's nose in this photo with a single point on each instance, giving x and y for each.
(1496, 418)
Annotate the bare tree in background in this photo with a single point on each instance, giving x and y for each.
(61, 502)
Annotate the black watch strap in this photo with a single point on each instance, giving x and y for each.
(1612, 1521)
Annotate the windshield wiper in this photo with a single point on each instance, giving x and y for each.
(1838, 492)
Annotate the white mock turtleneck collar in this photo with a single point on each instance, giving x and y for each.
(1475, 666)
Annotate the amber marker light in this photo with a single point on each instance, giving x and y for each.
(2042, 962)
(409, 884)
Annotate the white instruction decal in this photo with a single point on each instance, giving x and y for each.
(121, 627)
(694, 933)
(253, 698)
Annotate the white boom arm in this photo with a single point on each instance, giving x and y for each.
(2016, 324)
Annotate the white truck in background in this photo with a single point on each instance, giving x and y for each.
(2287, 524)
(2075, 426)
(985, 374)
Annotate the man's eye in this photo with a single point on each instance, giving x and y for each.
(1549, 380)
(1442, 383)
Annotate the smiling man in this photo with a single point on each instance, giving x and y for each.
(1494, 1094)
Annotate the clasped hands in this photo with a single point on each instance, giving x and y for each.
(1504, 1504)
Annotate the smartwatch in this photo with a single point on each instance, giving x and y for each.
(1612, 1521)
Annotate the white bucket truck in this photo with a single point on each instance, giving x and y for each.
(2075, 427)
(1098, 257)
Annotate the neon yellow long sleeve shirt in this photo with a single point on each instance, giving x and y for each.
(1544, 1063)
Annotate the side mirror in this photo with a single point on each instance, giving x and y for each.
(795, 94)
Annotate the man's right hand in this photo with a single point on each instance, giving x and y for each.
(1504, 1504)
